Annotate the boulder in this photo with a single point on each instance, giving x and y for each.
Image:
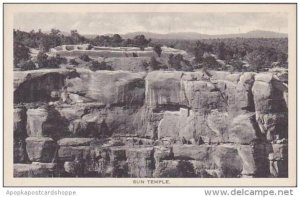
(243, 129)
(20, 123)
(202, 172)
(202, 96)
(279, 152)
(117, 87)
(224, 158)
(41, 149)
(35, 170)
(69, 153)
(218, 122)
(20, 155)
(169, 125)
(270, 105)
(192, 152)
(140, 161)
(163, 153)
(227, 160)
(37, 85)
(46, 122)
(163, 88)
(279, 168)
(177, 124)
(273, 125)
(71, 112)
(118, 163)
(268, 94)
(76, 85)
(35, 120)
(75, 141)
(243, 95)
(255, 159)
(174, 169)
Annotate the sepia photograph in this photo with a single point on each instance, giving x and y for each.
(151, 94)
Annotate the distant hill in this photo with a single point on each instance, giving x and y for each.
(195, 36)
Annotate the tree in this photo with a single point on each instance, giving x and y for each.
(210, 62)
(221, 51)
(157, 49)
(73, 62)
(27, 65)
(42, 60)
(256, 60)
(175, 61)
(237, 65)
(76, 37)
(54, 62)
(21, 53)
(154, 64)
(141, 41)
(85, 57)
(95, 65)
(199, 51)
(116, 39)
(45, 44)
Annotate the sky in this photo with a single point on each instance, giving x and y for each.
(121, 23)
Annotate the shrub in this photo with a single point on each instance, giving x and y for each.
(69, 48)
(85, 57)
(157, 49)
(237, 65)
(89, 47)
(73, 62)
(175, 61)
(44, 61)
(26, 65)
(21, 53)
(95, 65)
(210, 62)
(54, 62)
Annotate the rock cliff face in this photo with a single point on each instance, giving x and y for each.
(156, 124)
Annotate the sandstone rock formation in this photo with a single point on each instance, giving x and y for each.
(156, 124)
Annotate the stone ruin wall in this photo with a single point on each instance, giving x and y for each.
(157, 124)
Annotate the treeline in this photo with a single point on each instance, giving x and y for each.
(259, 53)
(45, 41)
(42, 41)
(239, 54)
(117, 41)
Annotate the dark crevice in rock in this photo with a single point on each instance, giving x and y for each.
(39, 88)
(169, 107)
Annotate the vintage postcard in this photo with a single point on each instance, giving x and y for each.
(149, 95)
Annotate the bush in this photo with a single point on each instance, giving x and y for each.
(89, 47)
(73, 62)
(21, 53)
(44, 61)
(85, 57)
(26, 65)
(176, 62)
(211, 63)
(237, 65)
(54, 62)
(157, 49)
(95, 65)
(69, 48)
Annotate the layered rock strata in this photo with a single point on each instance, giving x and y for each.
(156, 124)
